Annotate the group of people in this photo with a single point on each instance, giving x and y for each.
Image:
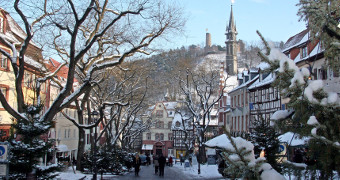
(159, 162)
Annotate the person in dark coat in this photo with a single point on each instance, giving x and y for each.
(170, 161)
(137, 162)
(156, 163)
(162, 162)
(148, 160)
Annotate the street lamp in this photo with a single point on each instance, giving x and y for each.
(94, 116)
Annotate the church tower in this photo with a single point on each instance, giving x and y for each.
(231, 46)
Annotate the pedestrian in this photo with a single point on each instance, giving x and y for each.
(162, 162)
(170, 161)
(148, 162)
(182, 159)
(137, 162)
(156, 163)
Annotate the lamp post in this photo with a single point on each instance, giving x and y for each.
(94, 116)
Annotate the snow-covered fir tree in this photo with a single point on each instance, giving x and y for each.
(29, 148)
(265, 138)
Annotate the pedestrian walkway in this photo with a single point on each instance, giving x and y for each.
(148, 172)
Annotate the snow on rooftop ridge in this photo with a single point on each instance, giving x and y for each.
(296, 40)
(170, 105)
(263, 66)
(245, 84)
(29, 60)
(268, 80)
(293, 139)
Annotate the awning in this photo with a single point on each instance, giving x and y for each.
(147, 147)
(62, 148)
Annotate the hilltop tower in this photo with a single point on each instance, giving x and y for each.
(231, 45)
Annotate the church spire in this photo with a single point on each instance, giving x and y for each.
(231, 28)
(231, 45)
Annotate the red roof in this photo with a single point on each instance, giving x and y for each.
(53, 65)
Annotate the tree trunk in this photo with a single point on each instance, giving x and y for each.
(81, 148)
(202, 155)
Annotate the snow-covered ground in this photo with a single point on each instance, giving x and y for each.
(207, 171)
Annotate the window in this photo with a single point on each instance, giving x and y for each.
(178, 124)
(161, 136)
(148, 136)
(159, 113)
(231, 99)
(87, 138)
(322, 74)
(238, 100)
(65, 133)
(242, 100)
(303, 51)
(3, 62)
(170, 137)
(1, 24)
(74, 133)
(161, 124)
(169, 124)
(69, 132)
(4, 90)
(157, 137)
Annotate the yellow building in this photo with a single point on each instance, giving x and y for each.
(11, 32)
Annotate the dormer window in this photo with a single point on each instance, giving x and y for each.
(1, 24)
(303, 51)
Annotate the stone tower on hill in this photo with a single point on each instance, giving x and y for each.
(231, 46)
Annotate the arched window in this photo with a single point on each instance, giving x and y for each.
(161, 124)
(161, 136)
(157, 137)
(169, 124)
(170, 136)
(148, 136)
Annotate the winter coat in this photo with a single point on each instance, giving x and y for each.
(162, 161)
(155, 162)
(137, 162)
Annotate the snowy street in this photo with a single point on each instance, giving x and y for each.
(177, 172)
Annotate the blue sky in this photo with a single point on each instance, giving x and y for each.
(277, 20)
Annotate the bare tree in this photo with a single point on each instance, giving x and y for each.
(202, 93)
(88, 37)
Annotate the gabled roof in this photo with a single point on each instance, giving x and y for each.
(268, 80)
(52, 65)
(248, 83)
(296, 40)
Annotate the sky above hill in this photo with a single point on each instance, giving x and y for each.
(277, 20)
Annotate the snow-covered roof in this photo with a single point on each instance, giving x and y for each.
(263, 66)
(245, 84)
(170, 105)
(222, 141)
(293, 139)
(29, 60)
(296, 40)
(62, 148)
(268, 80)
(317, 49)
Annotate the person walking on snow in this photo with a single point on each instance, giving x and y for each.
(156, 163)
(170, 161)
(162, 162)
(137, 162)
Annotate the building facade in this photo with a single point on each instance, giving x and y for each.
(159, 138)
